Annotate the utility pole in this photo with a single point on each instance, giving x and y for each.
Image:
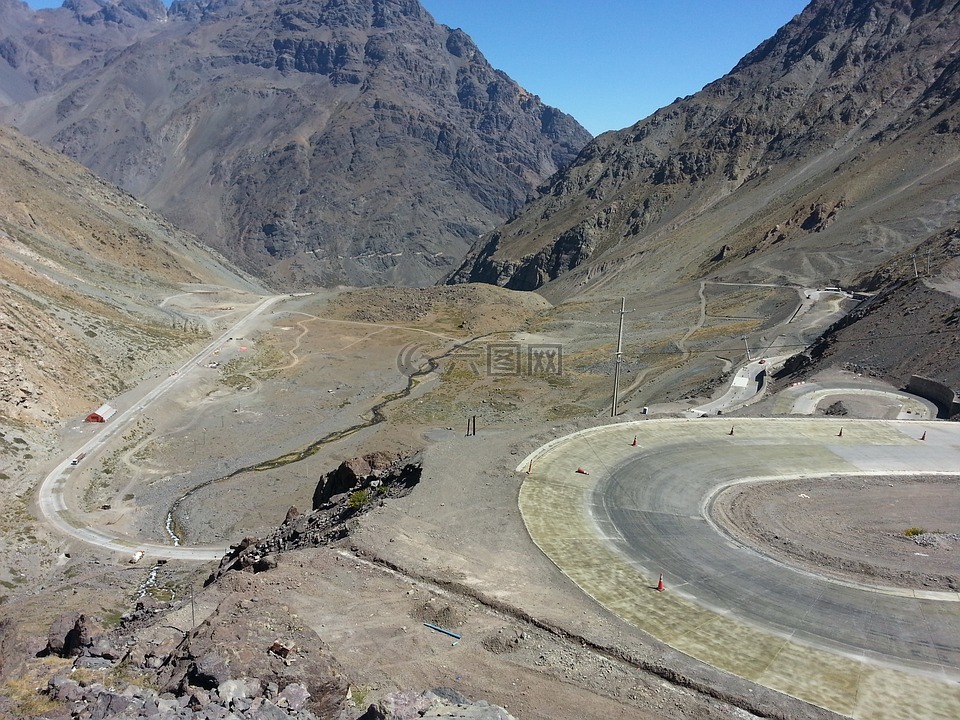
(619, 359)
(916, 274)
(747, 347)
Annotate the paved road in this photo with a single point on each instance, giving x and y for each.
(644, 509)
(748, 383)
(52, 501)
(804, 398)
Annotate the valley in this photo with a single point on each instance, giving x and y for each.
(228, 449)
(336, 434)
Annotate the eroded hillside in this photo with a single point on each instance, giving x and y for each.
(86, 272)
(826, 151)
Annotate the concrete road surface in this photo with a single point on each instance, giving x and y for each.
(746, 385)
(643, 510)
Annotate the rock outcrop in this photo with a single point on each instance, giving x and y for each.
(811, 160)
(354, 487)
(71, 634)
(320, 143)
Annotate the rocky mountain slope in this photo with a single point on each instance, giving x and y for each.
(319, 143)
(84, 271)
(829, 149)
(909, 327)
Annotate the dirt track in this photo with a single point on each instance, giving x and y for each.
(853, 528)
(532, 641)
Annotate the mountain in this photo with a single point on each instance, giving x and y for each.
(86, 271)
(908, 327)
(315, 142)
(825, 152)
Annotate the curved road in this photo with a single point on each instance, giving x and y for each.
(644, 510)
(51, 496)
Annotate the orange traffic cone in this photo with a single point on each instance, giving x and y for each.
(924, 436)
(530, 468)
(840, 434)
(634, 441)
(660, 587)
(582, 471)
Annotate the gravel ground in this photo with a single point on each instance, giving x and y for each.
(887, 531)
(454, 551)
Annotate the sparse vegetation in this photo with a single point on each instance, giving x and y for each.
(112, 618)
(24, 691)
(358, 499)
(914, 531)
(359, 696)
(162, 594)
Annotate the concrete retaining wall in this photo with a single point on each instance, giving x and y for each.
(943, 395)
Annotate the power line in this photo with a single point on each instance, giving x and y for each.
(803, 345)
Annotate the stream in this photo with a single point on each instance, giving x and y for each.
(173, 528)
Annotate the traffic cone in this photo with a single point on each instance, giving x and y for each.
(924, 436)
(840, 434)
(660, 587)
(530, 468)
(731, 431)
(582, 471)
(634, 441)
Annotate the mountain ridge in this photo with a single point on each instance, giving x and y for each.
(805, 131)
(314, 143)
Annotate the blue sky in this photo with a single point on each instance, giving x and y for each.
(610, 63)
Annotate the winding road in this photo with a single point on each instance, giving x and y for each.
(52, 500)
(644, 509)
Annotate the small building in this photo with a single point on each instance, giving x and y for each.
(101, 414)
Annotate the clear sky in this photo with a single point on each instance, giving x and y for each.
(610, 63)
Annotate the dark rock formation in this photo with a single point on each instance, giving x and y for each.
(342, 494)
(806, 162)
(837, 409)
(71, 634)
(321, 143)
(358, 473)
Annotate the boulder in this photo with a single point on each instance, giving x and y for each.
(62, 688)
(292, 515)
(70, 633)
(208, 672)
(294, 696)
(109, 705)
(232, 690)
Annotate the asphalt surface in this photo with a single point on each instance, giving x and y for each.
(644, 509)
(54, 488)
(805, 398)
(747, 384)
